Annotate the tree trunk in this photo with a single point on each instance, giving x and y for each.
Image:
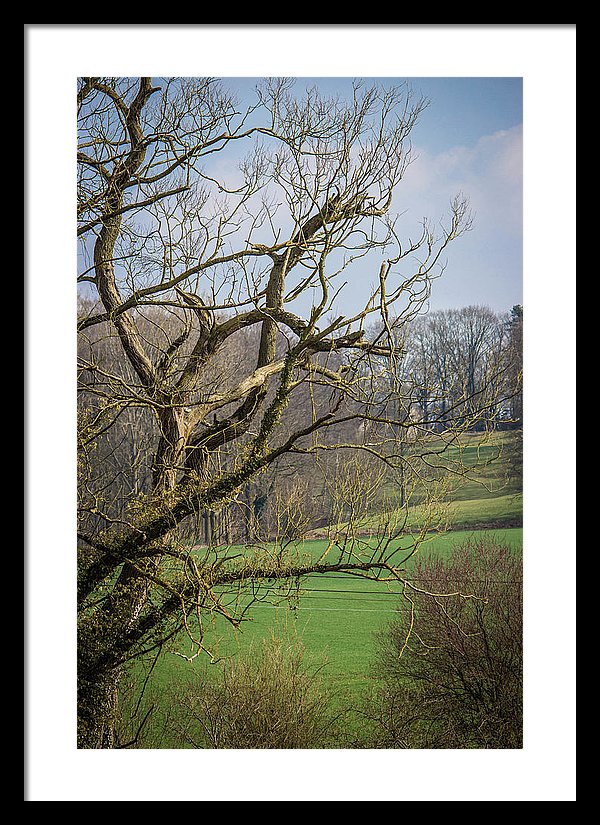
(98, 705)
(103, 643)
(99, 642)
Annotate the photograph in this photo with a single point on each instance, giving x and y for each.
(297, 392)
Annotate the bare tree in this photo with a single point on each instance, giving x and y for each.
(450, 666)
(460, 363)
(474, 343)
(215, 242)
(514, 325)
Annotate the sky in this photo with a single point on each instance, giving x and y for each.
(470, 136)
(468, 140)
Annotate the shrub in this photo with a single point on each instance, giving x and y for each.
(266, 698)
(450, 666)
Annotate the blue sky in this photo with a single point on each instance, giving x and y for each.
(469, 139)
(462, 109)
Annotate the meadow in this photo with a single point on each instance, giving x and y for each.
(335, 616)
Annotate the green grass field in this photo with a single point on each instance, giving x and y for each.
(337, 616)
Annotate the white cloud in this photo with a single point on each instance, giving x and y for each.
(488, 173)
(484, 266)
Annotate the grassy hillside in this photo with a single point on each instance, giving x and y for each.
(480, 486)
(490, 493)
